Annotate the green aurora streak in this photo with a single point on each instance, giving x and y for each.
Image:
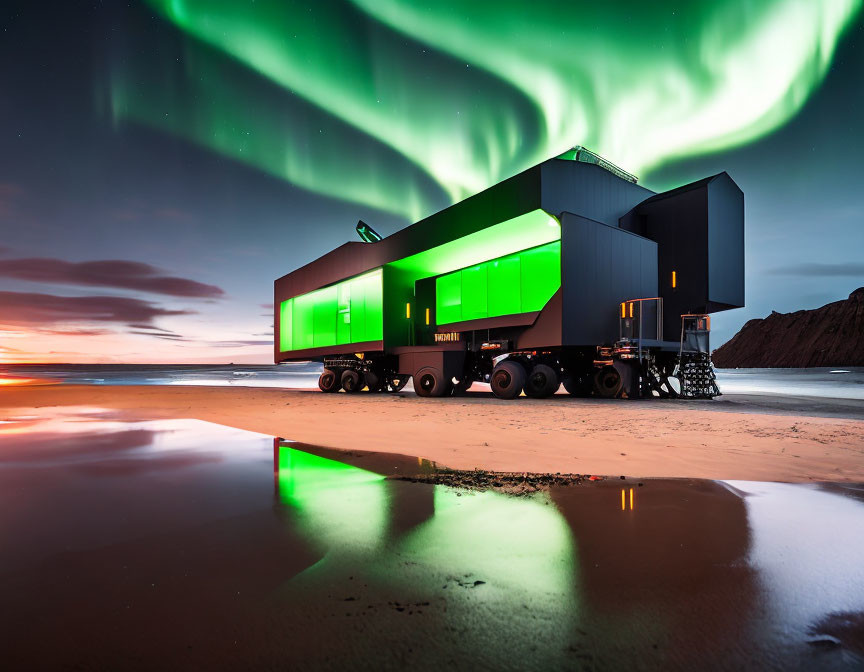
(406, 106)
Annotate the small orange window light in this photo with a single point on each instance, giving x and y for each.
(631, 499)
(622, 500)
(631, 309)
(427, 316)
(408, 310)
(674, 279)
(623, 310)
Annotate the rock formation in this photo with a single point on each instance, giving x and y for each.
(832, 335)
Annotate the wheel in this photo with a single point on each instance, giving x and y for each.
(396, 383)
(352, 381)
(542, 382)
(461, 387)
(430, 382)
(373, 381)
(579, 385)
(329, 381)
(508, 379)
(607, 382)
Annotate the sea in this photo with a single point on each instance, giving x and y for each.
(834, 383)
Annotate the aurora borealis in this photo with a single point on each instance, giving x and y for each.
(226, 143)
(641, 83)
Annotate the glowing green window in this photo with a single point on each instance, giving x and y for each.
(475, 291)
(540, 275)
(348, 312)
(448, 298)
(522, 282)
(505, 297)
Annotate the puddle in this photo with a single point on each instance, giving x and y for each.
(128, 544)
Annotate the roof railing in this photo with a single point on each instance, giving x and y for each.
(580, 153)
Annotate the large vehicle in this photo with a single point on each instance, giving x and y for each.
(567, 273)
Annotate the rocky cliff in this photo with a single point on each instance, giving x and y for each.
(832, 335)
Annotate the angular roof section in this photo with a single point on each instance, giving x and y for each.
(555, 186)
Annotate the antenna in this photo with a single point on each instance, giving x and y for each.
(367, 233)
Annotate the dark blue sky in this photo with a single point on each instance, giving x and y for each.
(203, 234)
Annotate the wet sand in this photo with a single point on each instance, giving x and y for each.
(188, 545)
(790, 439)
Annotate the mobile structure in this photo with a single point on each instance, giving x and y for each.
(569, 272)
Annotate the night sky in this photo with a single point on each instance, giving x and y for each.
(162, 162)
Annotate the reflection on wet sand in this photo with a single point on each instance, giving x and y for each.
(664, 570)
(478, 572)
(154, 544)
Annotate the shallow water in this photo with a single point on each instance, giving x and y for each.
(837, 383)
(817, 382)
(294, 374)
(180, 543)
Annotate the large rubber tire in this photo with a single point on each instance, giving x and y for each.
(373, 381)
(329, 381)
(430, 382)
(608, 382)
(508, 379)
(578, 386)
(542, 382)
(352, 381)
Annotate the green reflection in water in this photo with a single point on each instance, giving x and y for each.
(335, 504)
(406, 104)
(500, 563)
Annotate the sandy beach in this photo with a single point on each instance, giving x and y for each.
(743, 438)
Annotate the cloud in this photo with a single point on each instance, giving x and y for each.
(4, 250)
(75, 332)
(151, 327)
(116, 273)
(167, 336)
(817, 270)
(22, 308)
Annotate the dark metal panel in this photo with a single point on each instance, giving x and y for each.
(601, 266)
(589, 190)
(450, 361)
(317, 353)
(515, 320)
(546, 330)
(398, 328)
(725, 243)
(503, 201)
(699, 228)
(679, 224)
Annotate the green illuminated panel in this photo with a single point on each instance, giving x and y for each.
(505, 273)
(286, 329)
(304, 313)
(540, 275)
(325, 311)
(343, 314)
(474, 293)
(448, 298)
(533, 228)
(518, 283)
(348, 312)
